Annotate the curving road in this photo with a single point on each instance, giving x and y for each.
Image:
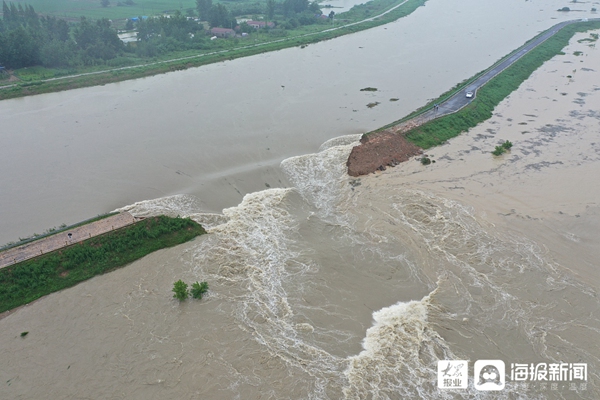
(459, 100)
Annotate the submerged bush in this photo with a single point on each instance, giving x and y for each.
(499, 150)
(180, 288)
(198, 289)
(504, 147)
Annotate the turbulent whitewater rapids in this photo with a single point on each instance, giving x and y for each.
(338, 287)
(324, 290)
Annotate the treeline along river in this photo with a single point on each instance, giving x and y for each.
(319, 288)
(222, 130)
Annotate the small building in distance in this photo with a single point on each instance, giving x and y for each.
(137, 19)
(222, 32)
(260, 24)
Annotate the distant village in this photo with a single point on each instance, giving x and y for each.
(239, 30)
(127, 36)
(31, 39)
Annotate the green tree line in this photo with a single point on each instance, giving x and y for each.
(27, 40)
(162, 35)
(287, 14)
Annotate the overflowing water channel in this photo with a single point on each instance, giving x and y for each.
(321, 286)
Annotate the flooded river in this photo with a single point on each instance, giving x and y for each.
(321, 286)
(220, 131)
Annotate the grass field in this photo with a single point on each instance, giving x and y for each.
(73, 9)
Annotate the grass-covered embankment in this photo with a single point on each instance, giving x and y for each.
(227, 49)
(29, 280)
(497, 89)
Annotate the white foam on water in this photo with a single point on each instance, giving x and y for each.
(496, 297)
(321, 177)
(504, 286)
(253, 254)
(181, 204)
(340, 141)
(250, 249)
(399, 357)
(208, 220)
(480, 282)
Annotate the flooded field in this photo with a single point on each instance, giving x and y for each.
(220, 131)
(321, 286)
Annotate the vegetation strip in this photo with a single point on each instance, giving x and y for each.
(386, 11)
(29, 280)
(439, 130)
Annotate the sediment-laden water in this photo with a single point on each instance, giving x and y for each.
(326, 290)
(337, 287)
(220, 131)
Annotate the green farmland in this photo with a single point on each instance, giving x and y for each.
(73, 9)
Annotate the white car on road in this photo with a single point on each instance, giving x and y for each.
(469, 94)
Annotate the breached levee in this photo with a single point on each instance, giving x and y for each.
(378, 151)
(428, 128)
(323, 290)
(330, 289)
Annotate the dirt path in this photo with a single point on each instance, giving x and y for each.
(64, 239)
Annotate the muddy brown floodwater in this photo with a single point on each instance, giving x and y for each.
(220, 131)
(329, 286)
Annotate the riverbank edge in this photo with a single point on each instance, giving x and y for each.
(438, 131)
(461, 85)
(391, 14)
(53, 231)
(30, 280)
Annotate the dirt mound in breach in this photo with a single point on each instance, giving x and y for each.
(378, 151)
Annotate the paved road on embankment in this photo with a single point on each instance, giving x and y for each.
(459, 100)
(64, 239)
